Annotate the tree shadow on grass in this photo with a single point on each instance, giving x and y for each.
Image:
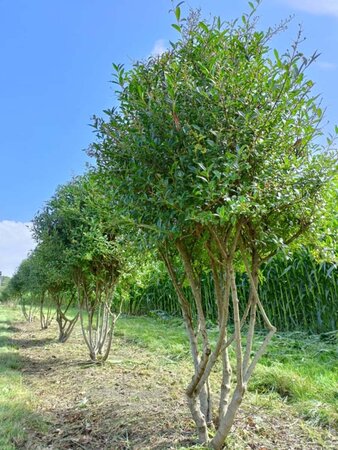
(6, 326)
(7, 322)
(48, 364)
(29, 343)
(30, 366)
(9, 329)
(16, 413)
(97, 410)
(18, 422)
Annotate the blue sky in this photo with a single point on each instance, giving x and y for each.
(56, 67)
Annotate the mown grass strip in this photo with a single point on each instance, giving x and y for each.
(16, 402)
(298, 368)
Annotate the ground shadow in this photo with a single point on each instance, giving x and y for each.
(49, 363)
(30, 343)
(9, 329)
(8, 322)
(17, 419)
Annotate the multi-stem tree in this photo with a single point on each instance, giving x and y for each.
(56, 279)
(77, 225)
(211, 152)
(19, 288)
(37, 284)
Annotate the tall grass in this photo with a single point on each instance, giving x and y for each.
(298, 293)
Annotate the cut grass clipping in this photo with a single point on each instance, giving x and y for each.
(298, 371)
(302, 370)
(298, 368)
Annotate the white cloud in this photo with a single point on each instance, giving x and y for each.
(318, 7)
(159, 48)
(326, 65)
(15, 242)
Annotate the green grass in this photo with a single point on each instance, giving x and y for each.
(166, 337)
(298, 368)
(303, 370)
(16, 402)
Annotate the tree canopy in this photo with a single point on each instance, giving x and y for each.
(218, 128)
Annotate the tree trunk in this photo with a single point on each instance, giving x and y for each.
(221, 253)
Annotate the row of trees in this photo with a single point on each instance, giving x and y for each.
(209, 163)
(77, 263)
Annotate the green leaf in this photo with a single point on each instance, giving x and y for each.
(204, 27)
(176, 27)
(178, 13)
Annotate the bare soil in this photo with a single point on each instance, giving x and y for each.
(135, 401)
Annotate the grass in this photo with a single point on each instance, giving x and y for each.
(298, 369)
(302, 369)
(166, 337)
(297, 376)
(16, 402)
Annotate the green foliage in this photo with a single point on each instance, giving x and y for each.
(77, 238)
(4, 283)
(76, 225)
(32, 279)
(298, 293)
(328, 250)
(211, 151)
(216, 129)
(22, 281)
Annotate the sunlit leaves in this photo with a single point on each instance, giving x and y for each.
(220, 128)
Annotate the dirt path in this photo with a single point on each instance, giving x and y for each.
(136, 401)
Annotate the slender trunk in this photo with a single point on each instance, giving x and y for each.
(66, 328)
(272, 330)
(222, 292)
(99, 330)
(227, 420)
(110, 337)
(42, 316)
(221, 246)
(225, 385)
(194, 401)
(45, 313)
(28, 315)
(204, 393)
(65, 324)
(227, 417)
(253, 311)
